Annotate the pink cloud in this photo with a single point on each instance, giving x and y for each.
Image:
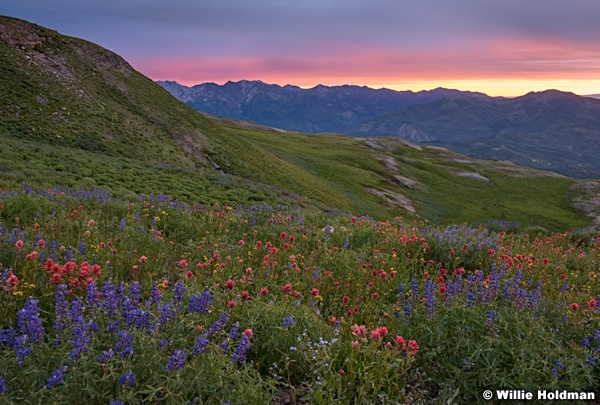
(362, 64)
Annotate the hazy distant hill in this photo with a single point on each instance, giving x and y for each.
(319, 109)
(550, 130)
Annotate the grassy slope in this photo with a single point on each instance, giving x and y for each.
(76, 114)
(349, 167)
(532, 199)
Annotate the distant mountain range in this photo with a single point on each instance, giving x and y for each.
(549, 130)
(339, 109)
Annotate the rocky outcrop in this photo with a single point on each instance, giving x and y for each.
(19, 36)
(392, 198)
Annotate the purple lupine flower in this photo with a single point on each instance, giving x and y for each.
(201, 344)
(556, 370)
(91, 296)
(407, 308)
(140, 318)
(414, 288)
(492, 291)
(430, 297)
(316, 274)
(490, 324)
(219, 324)
(289, 321)
(56, 378)
(135, 292)
(166, 313)
(81, 248)
(122, 224)
(21, 350)
(518, 277)
(591, 360)
(521, 300)
(449, 292)
(587, 342)
(470, 299)
(127, 379)
(124, 345)
(113, 326)
(224, 345)
(76, 311)
(7, 337)
(469, 282)
(536, 295)
(179, 292)
(234, 330)
(29, 322)
(111, 300)
(200, 303)
(507, 285)
(2, 385)
(61, 310)
(81, 336)
(106, 355)
(176, 361)
(239, 355)
(155, 295)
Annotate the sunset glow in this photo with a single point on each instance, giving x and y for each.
(503, 49)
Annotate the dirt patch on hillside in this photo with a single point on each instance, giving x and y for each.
(393, 198)
(388, 162)
(406, 182)
(471, 175)
(390, 144)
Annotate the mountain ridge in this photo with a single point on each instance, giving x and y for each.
(318, 109)
(548, 130)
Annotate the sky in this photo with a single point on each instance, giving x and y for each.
(499, 47)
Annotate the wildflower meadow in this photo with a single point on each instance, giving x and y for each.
(158, 301)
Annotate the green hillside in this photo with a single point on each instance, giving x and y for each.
(75, 114)
(393, 174)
